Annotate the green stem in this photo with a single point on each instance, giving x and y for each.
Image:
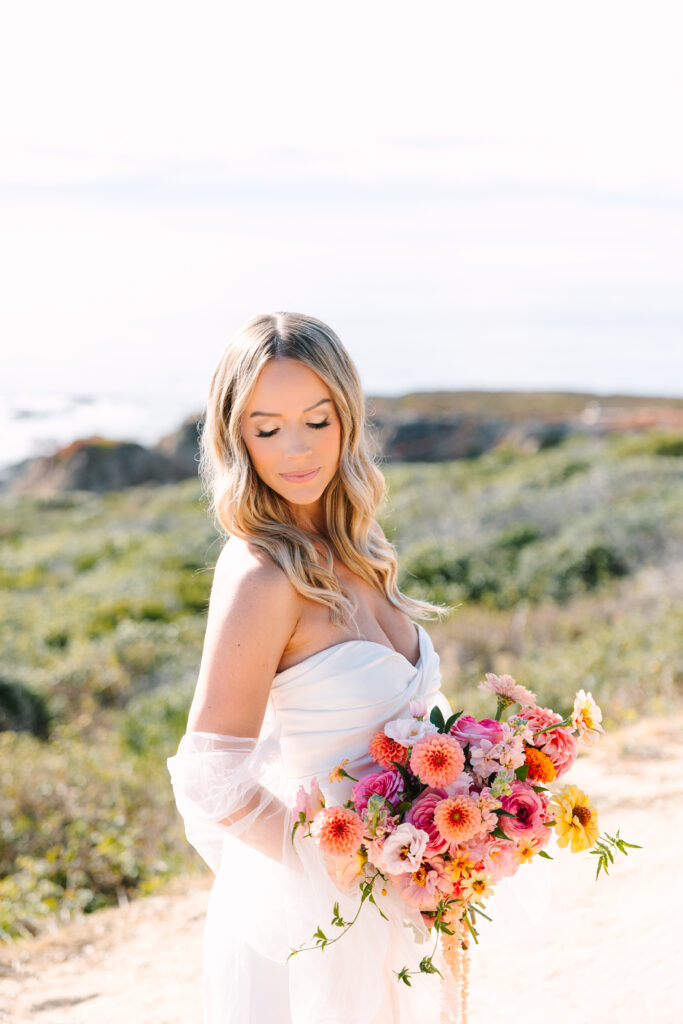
(329, 942)
(555, 725)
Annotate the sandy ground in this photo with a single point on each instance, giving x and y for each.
(607, 951)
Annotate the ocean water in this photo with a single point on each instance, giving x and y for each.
(38, 423)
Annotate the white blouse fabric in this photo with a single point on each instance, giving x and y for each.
(235, 796)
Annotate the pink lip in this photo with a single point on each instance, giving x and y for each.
(300, 477)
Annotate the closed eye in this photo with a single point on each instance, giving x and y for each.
(316, 426)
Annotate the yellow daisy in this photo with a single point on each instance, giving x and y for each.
(576, 820)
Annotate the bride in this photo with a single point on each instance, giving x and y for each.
(309, 649)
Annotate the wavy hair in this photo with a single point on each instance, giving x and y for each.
(244, 506)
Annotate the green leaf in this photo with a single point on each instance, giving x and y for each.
(497, 831)
(403, 975)
(522, 771)
(542, 853)
(504, 813)
(450, 722)
(437, 719)
(427, 966)
(405, 774)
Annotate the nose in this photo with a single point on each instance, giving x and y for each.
(298, 448)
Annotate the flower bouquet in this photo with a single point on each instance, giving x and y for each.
(456, 805)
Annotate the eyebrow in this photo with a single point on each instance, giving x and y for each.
(280, 414)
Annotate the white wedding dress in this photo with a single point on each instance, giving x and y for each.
(320, 711)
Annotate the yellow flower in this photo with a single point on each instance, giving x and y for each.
(477, 886)
(337, 774)
(527, 849)
(576, 820)
(586, 718)
(459, 864)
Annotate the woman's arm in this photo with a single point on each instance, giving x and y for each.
(253, 611)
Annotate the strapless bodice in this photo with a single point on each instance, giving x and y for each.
(327, 707)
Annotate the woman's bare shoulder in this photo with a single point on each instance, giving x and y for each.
(242, 563)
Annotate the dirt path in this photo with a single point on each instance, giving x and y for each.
(607, 952)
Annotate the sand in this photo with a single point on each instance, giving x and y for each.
(606, 952)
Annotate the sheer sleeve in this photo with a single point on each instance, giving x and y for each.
(231, 786)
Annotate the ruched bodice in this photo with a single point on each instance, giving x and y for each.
(329, 706)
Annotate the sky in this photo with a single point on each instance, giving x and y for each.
(471, 195)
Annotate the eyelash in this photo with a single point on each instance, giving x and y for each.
(316, 426)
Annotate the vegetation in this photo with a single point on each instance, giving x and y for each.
(563, 567)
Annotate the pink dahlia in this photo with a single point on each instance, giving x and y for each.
(457, 818)
(421, 815)
(437, 759)
(384, 751)
(337, 830)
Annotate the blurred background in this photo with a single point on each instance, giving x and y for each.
(484, 202)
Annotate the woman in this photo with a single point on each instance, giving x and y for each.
(310, 648)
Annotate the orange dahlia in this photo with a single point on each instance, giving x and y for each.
(385, 751)
(541, 767)
(457, 818)
(337, 830)
(437, 760)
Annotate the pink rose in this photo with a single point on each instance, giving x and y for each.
(525, 804)
(421, 815)
(470, 730)
(385, 783)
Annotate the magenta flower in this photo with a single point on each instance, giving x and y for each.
(527, 807)
(387, 784)
(470, 730)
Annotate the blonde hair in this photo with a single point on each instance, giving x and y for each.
(246, 507)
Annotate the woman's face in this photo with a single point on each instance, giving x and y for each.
(290, 427)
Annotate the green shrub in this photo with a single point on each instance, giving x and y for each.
(23, 710)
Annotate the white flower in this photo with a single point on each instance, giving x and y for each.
(407, 731)
(508, 690)
(403, 849)
(586, 718)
